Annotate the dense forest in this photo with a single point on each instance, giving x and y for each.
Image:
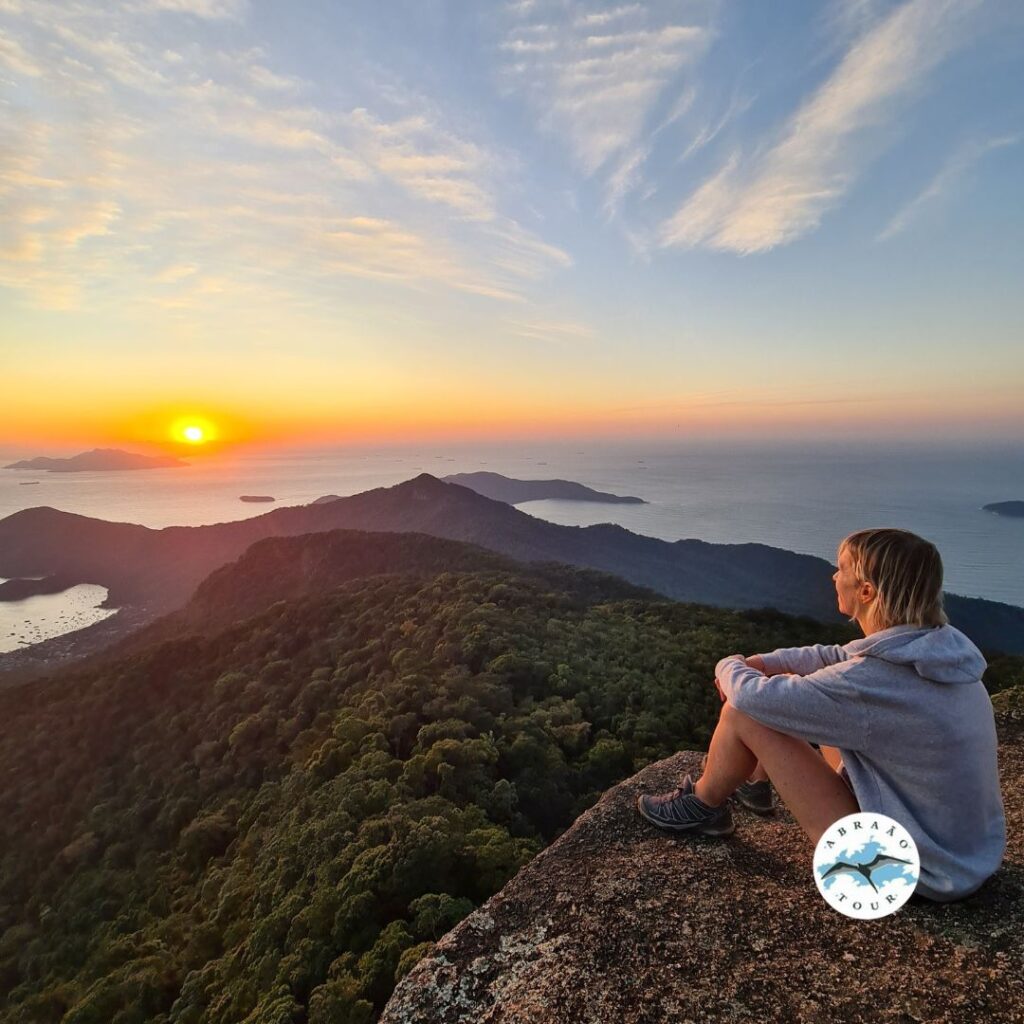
(273, 823)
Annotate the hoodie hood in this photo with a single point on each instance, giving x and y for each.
(940, 653)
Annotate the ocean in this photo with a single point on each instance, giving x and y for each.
(801, 497)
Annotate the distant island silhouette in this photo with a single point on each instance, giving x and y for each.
(512, 491)
(256, 497)
(1011, 509)
(98, 459)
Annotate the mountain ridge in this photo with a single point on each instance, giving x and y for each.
(158, 570)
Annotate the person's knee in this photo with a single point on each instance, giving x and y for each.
(749, 729)
(735, 718)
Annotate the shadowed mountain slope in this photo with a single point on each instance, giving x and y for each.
(285, 568)
(267, 823)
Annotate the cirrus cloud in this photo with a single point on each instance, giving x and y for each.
(755, 205)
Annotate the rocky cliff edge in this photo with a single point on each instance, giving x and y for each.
(616, 923)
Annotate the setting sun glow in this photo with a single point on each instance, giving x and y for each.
(193, 430)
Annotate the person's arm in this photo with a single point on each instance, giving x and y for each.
(754, 661)
(800, 661)
(822, 707)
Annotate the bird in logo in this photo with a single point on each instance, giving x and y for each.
(879, 860)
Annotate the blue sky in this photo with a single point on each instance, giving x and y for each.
(536, 215)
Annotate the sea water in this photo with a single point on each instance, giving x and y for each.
(33, 619)
(800, 497)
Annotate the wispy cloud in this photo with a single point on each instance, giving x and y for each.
(520, 252)
(558, 332)
(379, 249)
(245, 173)
(91, 220)
(597, 75)
(738, 104)
(953, 171)
(17, 59)
(174, 273)
(624, 178)
(249, 68)
(680, 108)
(756, 205)
(211, 9)
(596, 18)
(426, 161)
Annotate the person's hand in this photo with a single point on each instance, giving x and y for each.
(754, 661)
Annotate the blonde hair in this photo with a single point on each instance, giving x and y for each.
(906, 572)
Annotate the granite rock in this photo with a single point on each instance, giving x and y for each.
(616, 923)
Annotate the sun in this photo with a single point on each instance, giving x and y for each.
(193, 430)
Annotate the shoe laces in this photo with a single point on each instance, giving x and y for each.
(666, 798)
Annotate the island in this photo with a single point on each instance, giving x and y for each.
(324, 499)
(256, 497)
(1011, 509)
(98, 459)
(512, 492)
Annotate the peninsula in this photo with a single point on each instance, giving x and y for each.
(19, 589)
(512, 492)
(1011, 509)
(99, 459)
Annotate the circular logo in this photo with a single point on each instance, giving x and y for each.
(866, 865)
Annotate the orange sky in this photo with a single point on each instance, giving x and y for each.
(118, 422)
(210, 212)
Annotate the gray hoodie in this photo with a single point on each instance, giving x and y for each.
(914, 724)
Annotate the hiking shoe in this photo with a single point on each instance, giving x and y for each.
(681, 811)
(756, 797)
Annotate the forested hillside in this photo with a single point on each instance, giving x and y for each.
(273, 823)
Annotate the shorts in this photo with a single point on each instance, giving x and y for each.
(845, 776)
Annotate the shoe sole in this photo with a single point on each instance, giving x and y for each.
(756, 808)
(725, 829)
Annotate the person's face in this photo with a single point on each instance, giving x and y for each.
(847, 585)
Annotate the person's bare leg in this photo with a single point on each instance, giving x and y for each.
(814, 793)
(831, 755)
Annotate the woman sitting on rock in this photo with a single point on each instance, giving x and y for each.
(904, 724)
